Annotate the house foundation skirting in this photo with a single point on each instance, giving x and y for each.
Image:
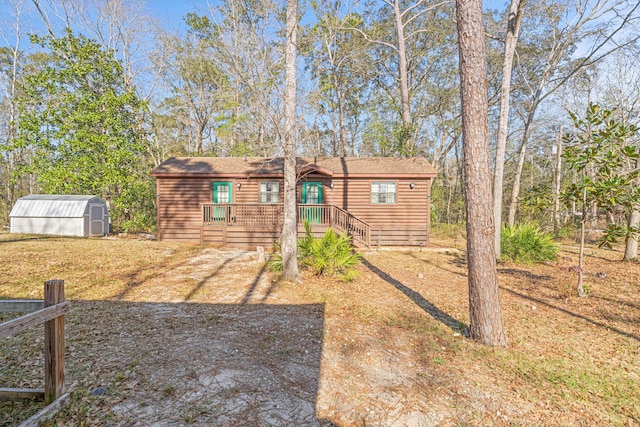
(248, 237)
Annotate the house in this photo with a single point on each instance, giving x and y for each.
(236, 201)
(64, 215)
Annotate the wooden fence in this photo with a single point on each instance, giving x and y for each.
(51, 312)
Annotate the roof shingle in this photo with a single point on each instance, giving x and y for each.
(273, 167)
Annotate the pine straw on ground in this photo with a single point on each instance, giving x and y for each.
(177, 334)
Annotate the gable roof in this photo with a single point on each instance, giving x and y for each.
(52, 206)
(338, 167)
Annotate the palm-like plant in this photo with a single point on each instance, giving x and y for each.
(526, 243)
(330, 255)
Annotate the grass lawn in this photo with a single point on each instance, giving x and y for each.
(178, 334)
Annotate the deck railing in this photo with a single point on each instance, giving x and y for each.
(253, 214)
(242, 214)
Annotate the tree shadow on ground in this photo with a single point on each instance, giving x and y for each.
(573, 314)
(140, 276)
(31, 237)
(433, 264)
(419, 300)
(459, 260)
(252, 289)
(617, 301)
(516, 272)
(189, 363)
(211, 275)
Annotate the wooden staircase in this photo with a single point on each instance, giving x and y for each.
(345, 221)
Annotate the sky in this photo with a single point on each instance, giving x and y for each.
(170, 12)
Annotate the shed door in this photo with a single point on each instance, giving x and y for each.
(96, 220)
(312, 195)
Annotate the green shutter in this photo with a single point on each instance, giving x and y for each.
(306, 185)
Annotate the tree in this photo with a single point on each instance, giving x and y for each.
(485, 314)
(514, 18)
(80, 120)
(598, 151)
(622, 90)
(197, 82)
(249, 54)
(335, 62)
(598, 22)
(290, 224)
(12, 62)
(557, 183)
(405, 61)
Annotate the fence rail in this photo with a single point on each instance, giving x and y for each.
(249, 214)
(49, 312)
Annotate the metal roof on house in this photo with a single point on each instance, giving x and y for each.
(237, 167)
(52, 206)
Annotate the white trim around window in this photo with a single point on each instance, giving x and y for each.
(384, 192)
(269, 192)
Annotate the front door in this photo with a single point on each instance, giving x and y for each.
(312, 195)
(221, 193)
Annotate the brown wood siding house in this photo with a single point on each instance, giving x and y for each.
(235, 201)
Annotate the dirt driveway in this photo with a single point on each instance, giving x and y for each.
(173, 336)
(217, 341)
(232, 360)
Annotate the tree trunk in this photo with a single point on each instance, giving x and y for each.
(583, 224)
(12, 125)
(200, 138)
(342, 130)
(407, 147)
(556, 184)
(631, 244)
(290, 224)
(511, 39)
(515, 191)
(485, 314)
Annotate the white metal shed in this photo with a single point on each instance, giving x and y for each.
(65, 215)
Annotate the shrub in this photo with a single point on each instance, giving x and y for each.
(526, 243)
(331, 255)
(138, 223)
(454, 230)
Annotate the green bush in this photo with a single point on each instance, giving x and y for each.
(526, 243)
(458, 229)
(331, 255)
(138, 223)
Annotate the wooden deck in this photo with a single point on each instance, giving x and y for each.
(249, 224)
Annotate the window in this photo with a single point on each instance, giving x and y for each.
(270, 192)
(221, 192)
(311, 193)
(383, 192)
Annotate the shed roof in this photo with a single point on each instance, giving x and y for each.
(239, 167)
(52, 206)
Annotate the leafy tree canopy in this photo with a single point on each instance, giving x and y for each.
(599, 151)
(80, 120)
